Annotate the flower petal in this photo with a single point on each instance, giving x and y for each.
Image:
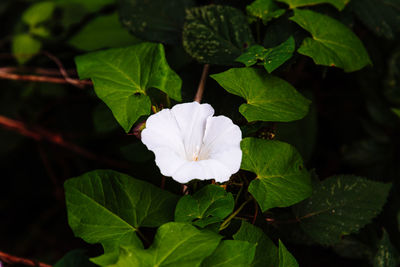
(222, 142)
(162, 131)
(204, 169)
(191, 119)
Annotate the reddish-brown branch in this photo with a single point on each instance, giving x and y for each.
(7, 258)
(6, 74)
(202, 84)
(63, 71)
(40, 134)
(255, 212)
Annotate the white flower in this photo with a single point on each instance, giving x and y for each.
(189, 143)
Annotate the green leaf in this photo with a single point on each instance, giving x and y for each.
(387, 255)
(76, 258)
(121, 77)
(24, 47)
(108, 207)
(271, 58)
(175, 244)
(340, 205)
(265, 10)
(209, 205)
(281, 179)
(269, 98)
(102, 32)
(285, 258)
(301, 134)
(266, 252)
(156, 20)
(396, 111)
(38, 13)
(339, 4)
(88, 5)
(381, 17)
(216, 34)
(231, 253)
(332, 43)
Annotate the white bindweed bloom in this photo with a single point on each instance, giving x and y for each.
(189, 143)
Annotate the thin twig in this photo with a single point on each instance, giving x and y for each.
(7, 258)
(202, 84)
(40, 134)
(4, 74)
(63, 71)
(255, 212)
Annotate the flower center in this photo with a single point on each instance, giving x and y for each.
(198, 153)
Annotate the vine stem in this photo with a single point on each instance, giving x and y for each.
(7, 258)
(233, 215)
(39, 134)
(6, 74)
(202, 83)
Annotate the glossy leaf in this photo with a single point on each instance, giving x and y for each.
(209, 205)
(286, 259)
(156, 20)
(387, 255)
(231, 253)
(38, 12)
(339, 4)
(102, 32)
(281, 178)
(332, 43)
(122, 76)
(269, 98)
(175, 244)
(24, 47)
(271, 58)
(266, 252)
(108, 207)
(216, 34)
(265, 10)
(340, 205)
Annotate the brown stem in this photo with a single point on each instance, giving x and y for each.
(39, 134)
(7, 258)
(63, 71)
(202, 84)
(6, 74)
(255, 212)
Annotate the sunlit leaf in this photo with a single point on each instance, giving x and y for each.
(122, 76)
(269, 98)
(211, 204)
(281, 178)
(231, 253)
(108, 207)
(339, 4)
(332, 43)
(271, 58)
(175, 244)
(266, 252)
